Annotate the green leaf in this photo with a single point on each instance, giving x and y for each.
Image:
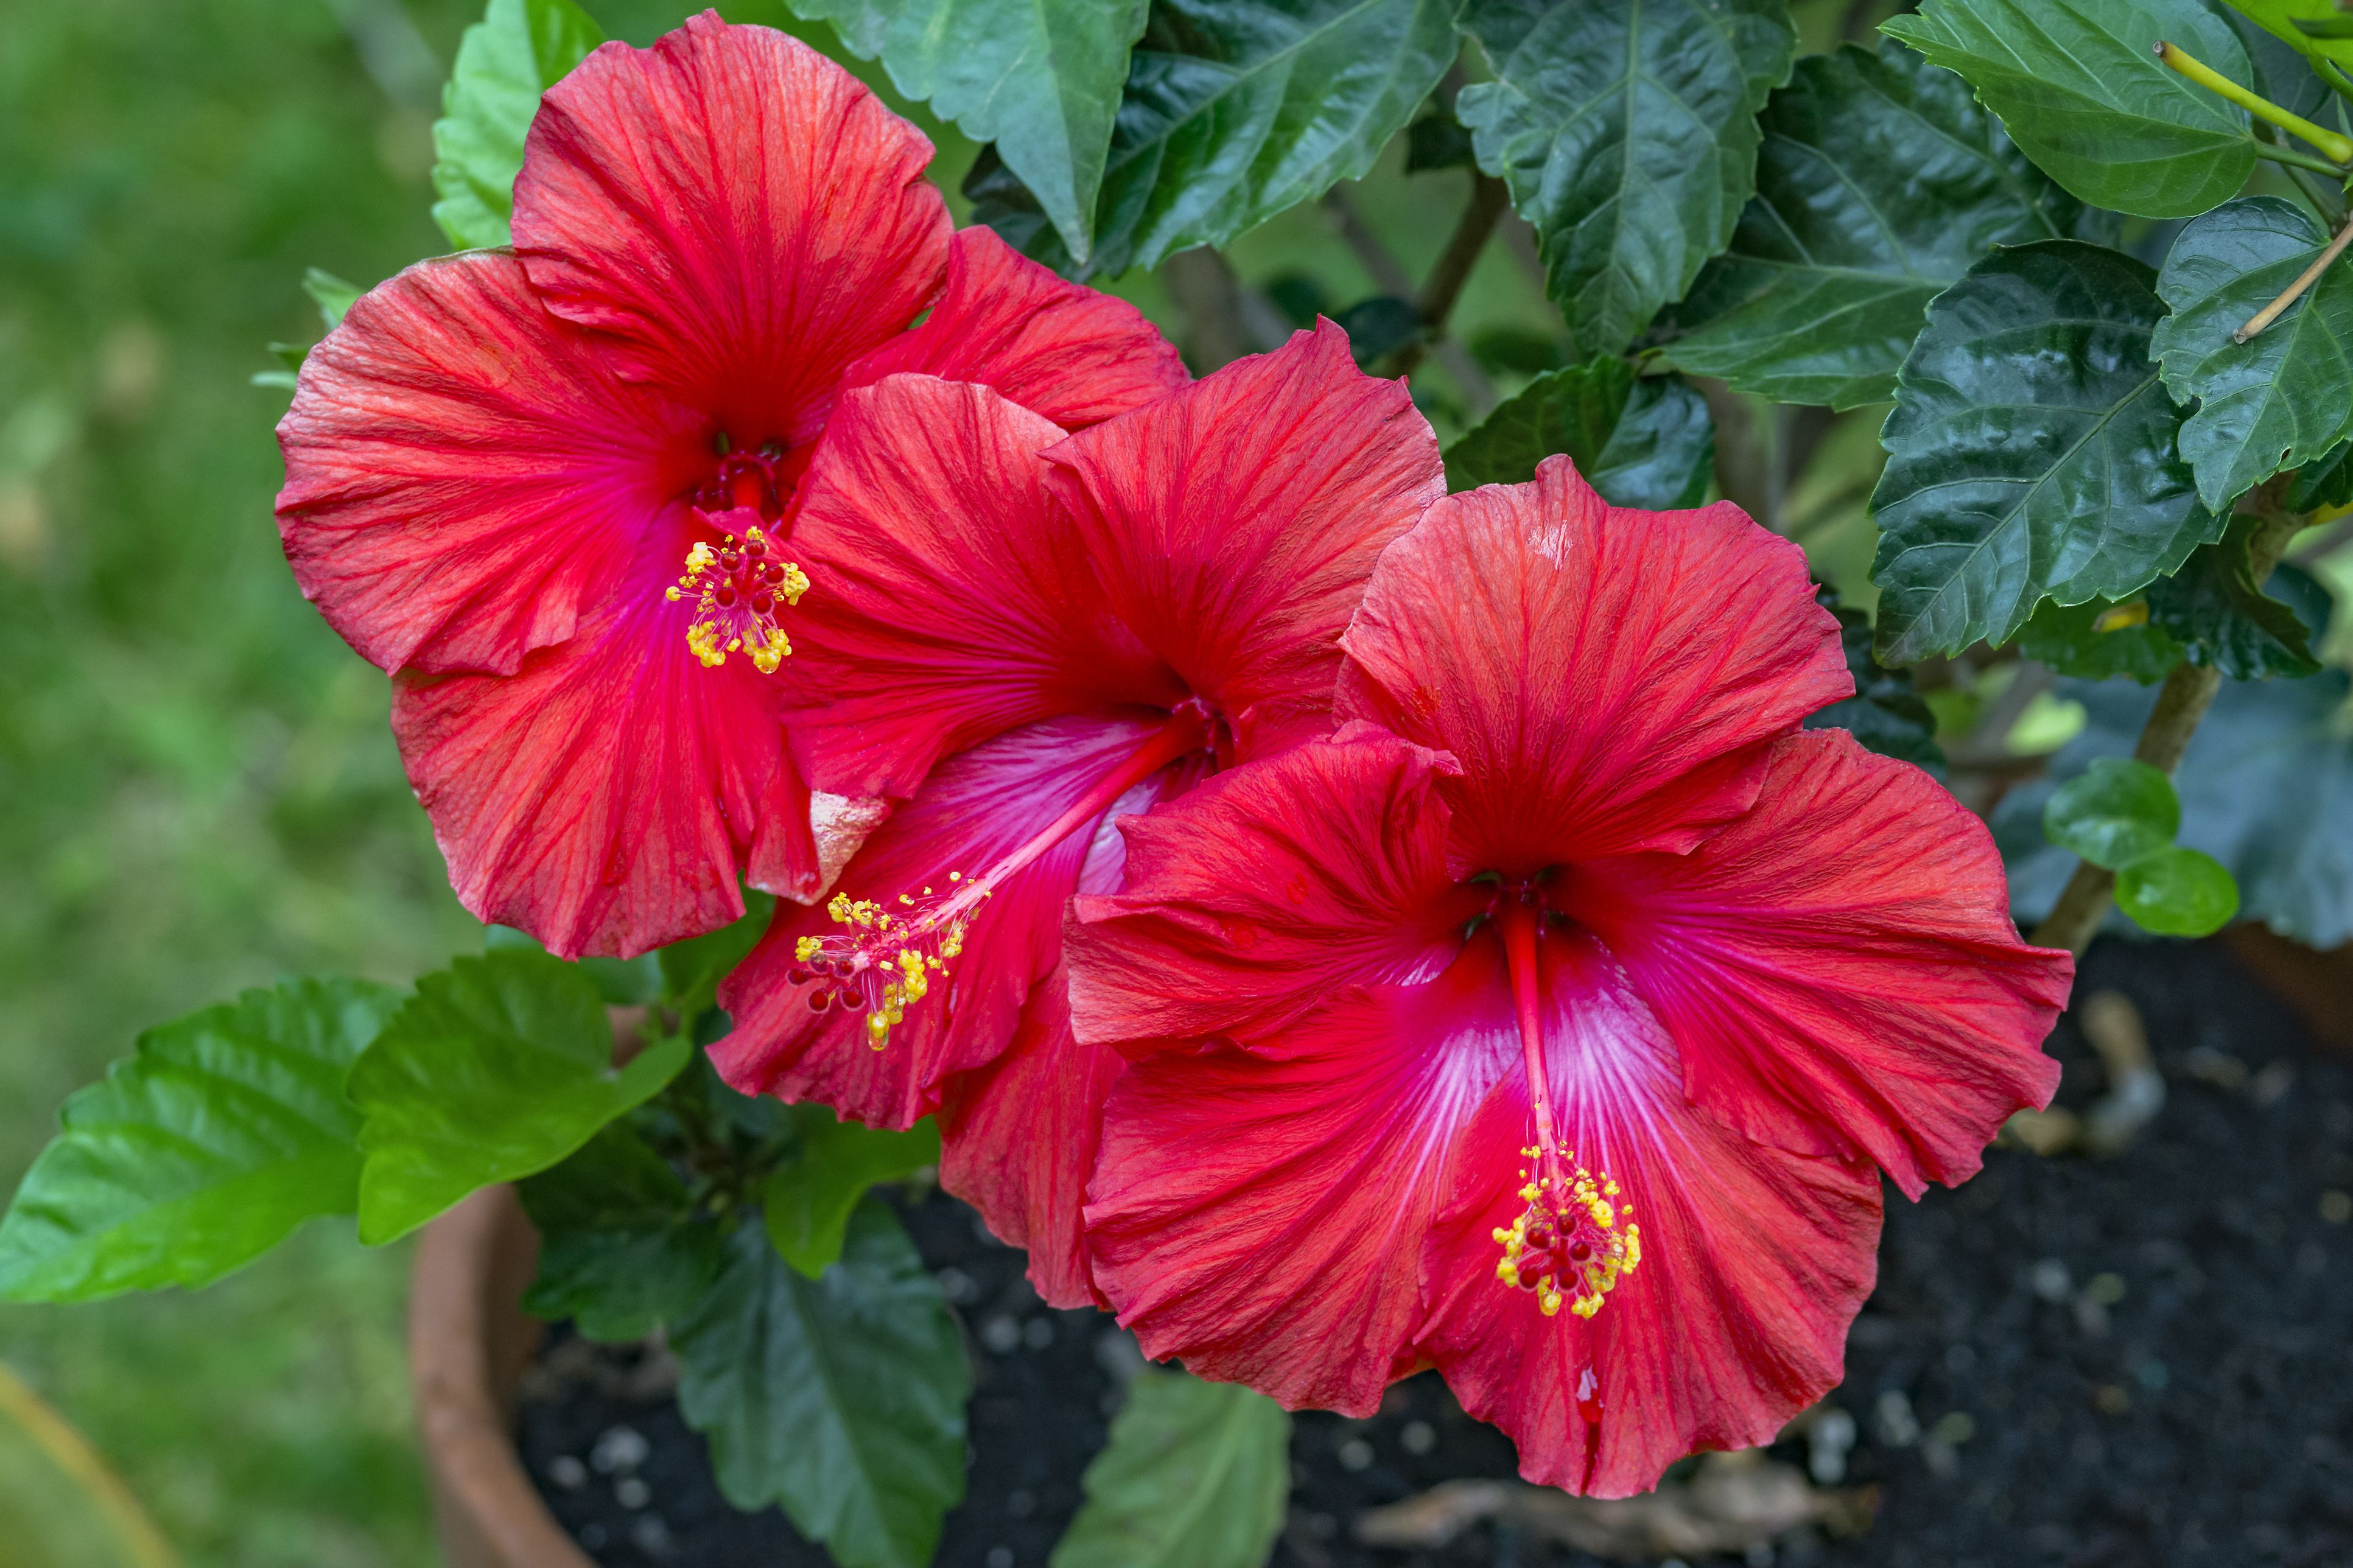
(1884, 713)
(2215, 608)
(222, 1132)
(691, 970)
(2097, 639)
(1041, 79)
(842, 1397)
(2078, 85)
(2266, 788)
(2032, 453)
(1196, 1475)
(331, 295)
(1627, 131)
(809, 1198)
(2319, 28)
(2177, 892)
(2114, 813)
(1880, 182)
(622, 1249)
(2283, 399)
(1235, 111)
(1641, 441)
(2281, 73)
(500, 1066)
(518, 51)
(621, 981)
(1379, 326)
(2324, 483)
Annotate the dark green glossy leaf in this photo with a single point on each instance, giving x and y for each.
(2324, 482)
(1437, 141)
(1880, 182)
(1041, 79)
(2078, 86)
(2284, 397)
(1195, 1475)
(2266, 788)
(518, 51)
(1627, 131)
(2032, 453)
(2214, 607)
(498, 1066)
(842, 1397)
(2096, 639)
(225, 1129)
(2112, 812)
(1516, 350)
(2177, 892)
(1884, 713)
(1641, 441)
(621, 1248)
(691, 970)
(1235, 111)
(1379, 327)
(809, 1199)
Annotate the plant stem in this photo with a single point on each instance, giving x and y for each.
(2295, 159)
(1444, 286)
(2182, 702)
(2311, 275)
(2339, 148)
(1390, 276)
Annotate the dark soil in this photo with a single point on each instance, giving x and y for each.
(2068, 1362)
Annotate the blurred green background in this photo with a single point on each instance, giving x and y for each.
(198, 789)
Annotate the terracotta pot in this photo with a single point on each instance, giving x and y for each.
(468, 1342)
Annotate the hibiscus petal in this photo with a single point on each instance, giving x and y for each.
(464, 476)
(1070, 352)
(975, 808)
(1234, 522)
(739, 215)
(1839, 968)
(952, 599)
(1753, 1260)
(603, 797)
(1256, 895)
(1600, 673)
(1263, 1219)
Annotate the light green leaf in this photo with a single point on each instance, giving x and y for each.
(1041, 79)
(2114, 813)
(1195, 1475)
(691, 970)
(331, 295)
(1641, 441)
(622, 1249)
(842, 1398)
(1627, 131)
(2177, 892)
(2283, 399)
(809, 1197)
(1235, 111)
(1881, 180)
(205, 1148)
(2078, 85)
(2319, 28)
(500, 1066)
(518, 51)
(2032, 453)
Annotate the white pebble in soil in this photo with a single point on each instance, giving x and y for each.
(1418, 1437)
(1355, 1454)
(619, 1449)
(632, 1493)
(1001, 1557)
(1022, 1502)
(567, 1472)
(1001, 1335)
(957, 1287)
(1037, 1333)
(651, 1536)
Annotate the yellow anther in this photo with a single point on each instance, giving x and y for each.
(1570, 1245)
(737, 591)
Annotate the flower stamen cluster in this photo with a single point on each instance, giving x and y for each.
(736, 589)
(1569, 1237)
(884, 965)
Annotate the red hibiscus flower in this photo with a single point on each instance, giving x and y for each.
(1546, 1023)
(1021, 637)
(550, 487)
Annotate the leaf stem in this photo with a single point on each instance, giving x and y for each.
(2182, 702)
(2295, 159)
(2311, 275)
(2339, 148)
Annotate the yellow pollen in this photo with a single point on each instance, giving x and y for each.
(884, 963)
(1571, 1245)
(738, 589)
